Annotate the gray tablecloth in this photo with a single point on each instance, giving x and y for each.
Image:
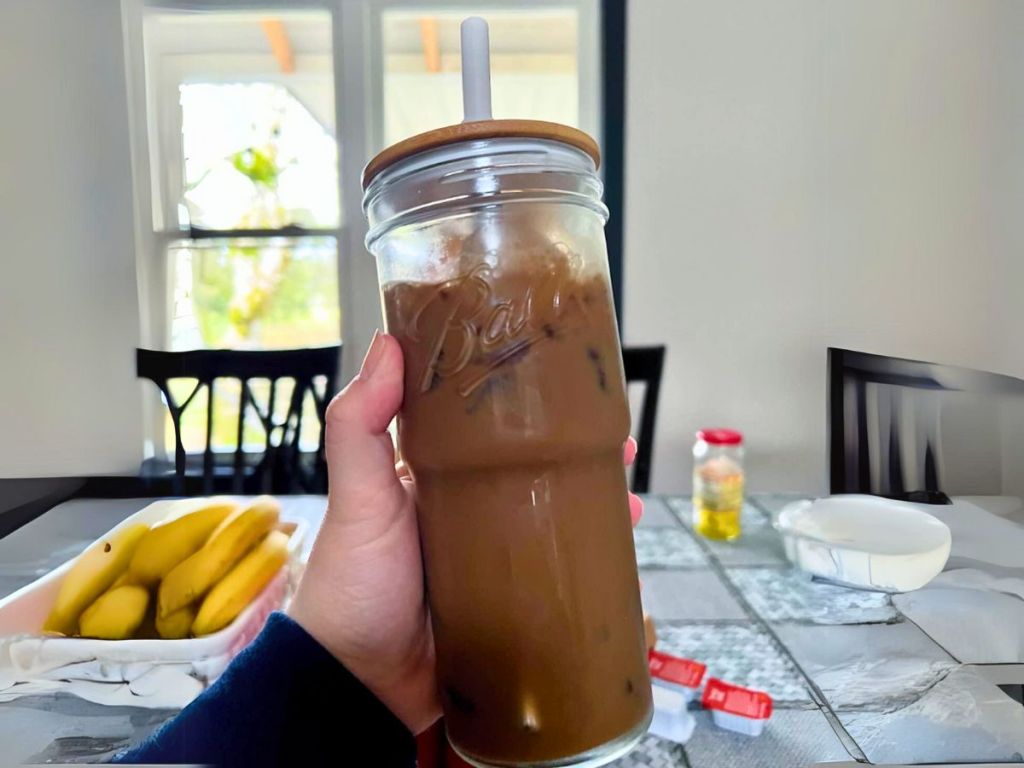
(851, 677)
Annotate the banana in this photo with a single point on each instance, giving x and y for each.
(192, 578)
(170, 542)
(244, 582)
(116, 614)
(91, 575)
(176, 625)
(127, 579)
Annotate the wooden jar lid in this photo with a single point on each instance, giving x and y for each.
(482, 129)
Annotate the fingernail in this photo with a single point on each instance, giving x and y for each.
(373, 356)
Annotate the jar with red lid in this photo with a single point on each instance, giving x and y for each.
(718, 483)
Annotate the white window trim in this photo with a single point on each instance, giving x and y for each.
(588, 48)
(178, 69)
(358, 79)
(158, 181)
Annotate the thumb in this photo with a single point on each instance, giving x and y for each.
(360, 453)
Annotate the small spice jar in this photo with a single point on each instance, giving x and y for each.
(718, 483)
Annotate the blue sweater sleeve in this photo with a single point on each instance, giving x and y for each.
(283, 701)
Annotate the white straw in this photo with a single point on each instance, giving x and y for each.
(476, 70)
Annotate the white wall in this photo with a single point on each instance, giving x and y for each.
(813, 173)
(69, 402)
(800, 173)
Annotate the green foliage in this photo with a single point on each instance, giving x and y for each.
(257, 165)
(290, 297)
(213, 285)
(272, 295)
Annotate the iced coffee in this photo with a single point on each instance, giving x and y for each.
(513, 424)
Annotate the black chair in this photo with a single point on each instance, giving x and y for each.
(920, 431)
(645, 364)
(282, 467)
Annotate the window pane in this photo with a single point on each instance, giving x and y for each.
(254, 294)
(534, 67)
(256, 158)
(243, 117)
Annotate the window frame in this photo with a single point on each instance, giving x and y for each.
(613, 36)
(601, 52)
(155, 120)
(169, 119)
(357, 53)
(587, 47)
(158, 165)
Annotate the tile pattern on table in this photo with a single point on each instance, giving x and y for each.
(667, 548)
(976, 626)
(759, 543)
(657, 514)
(792, 738)
(696, 595)
(867, 666)
(790, 595)
(682, 508)
(744, 654)
(66, 729)
(962, 719)
(653, 752)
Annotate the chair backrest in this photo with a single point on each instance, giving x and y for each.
(282, 467)
(645, 364)
(922, 431)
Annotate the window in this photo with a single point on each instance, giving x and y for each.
(255, 158)
(251, 128)
(243, 110)
(254, 293)
(535, 68)
(244, 163)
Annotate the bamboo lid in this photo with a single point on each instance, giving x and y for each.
(480, 129)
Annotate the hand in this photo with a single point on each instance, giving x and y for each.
(362, 593)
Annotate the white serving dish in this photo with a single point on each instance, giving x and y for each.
(140, 673)
(865, 541)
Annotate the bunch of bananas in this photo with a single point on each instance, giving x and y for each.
(190, 574)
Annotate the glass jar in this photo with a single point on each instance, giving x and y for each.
(490, 250)
(718, 483)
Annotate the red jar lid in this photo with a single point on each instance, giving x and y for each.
(719, 436)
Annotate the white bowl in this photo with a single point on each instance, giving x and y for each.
(865, 541)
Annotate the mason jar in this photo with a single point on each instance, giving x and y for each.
(718, 483)
(493, 272)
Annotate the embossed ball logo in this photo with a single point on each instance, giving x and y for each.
(478, 331)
